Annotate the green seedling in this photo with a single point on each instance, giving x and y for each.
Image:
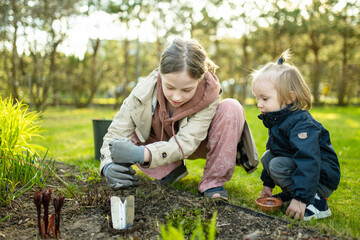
(189, 220)
(198, 232)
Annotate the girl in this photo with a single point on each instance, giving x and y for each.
(174, 114)
(299, 157)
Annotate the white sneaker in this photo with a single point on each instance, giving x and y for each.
(318, 210)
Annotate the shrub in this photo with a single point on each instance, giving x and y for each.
(17, 127)
(20, 164)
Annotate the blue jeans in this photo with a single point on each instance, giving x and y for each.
(280, 169)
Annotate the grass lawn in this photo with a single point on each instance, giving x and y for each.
(68, 134)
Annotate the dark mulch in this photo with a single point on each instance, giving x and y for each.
(88, 216)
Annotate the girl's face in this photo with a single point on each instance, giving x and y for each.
(179, 87)
(266, 96)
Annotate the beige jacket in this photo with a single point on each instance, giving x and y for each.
(136, 115)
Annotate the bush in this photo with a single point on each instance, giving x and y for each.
(20, 165)
(17, 127)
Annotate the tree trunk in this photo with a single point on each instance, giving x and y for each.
(315, 47)
(138, 60)
(316, 79)
(12, 79)
(94, 73)
(51, 76)
(126, 62)
(55, 101)
(343, 80)
(34, 81)
(125, 77)
(245, 71)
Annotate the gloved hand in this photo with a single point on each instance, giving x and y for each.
(125, 152)
(120, 177)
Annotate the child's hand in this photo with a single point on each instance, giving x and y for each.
(125, 152)
(266, 192)
(296, 209)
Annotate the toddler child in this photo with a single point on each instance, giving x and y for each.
(299, 157)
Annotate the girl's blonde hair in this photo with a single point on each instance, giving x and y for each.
(186, 55)
(287, 80)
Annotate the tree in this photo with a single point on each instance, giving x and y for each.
(87, 82)
(316, 26)
(47, 16)
(345, 25)
(21, 19)
(245, 18)
(13, 15)
(127, 11)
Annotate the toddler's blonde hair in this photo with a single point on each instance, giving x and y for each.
(286, 79)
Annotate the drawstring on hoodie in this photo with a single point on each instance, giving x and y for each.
(162, 125)
(182, 152)
(173, 131)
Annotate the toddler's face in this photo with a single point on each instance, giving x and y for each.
(179, 88)
(266, 96)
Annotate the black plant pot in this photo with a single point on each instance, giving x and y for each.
(100, 127)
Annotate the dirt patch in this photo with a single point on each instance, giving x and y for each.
(88, 215)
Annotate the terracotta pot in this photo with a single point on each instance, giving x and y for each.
(269, 204)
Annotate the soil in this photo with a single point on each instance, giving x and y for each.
(88, 215)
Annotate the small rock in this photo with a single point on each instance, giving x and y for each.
(252, 236)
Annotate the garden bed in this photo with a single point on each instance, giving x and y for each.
(88, 215)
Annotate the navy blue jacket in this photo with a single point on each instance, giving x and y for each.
(297, 135)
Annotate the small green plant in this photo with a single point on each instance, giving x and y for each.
(20, 165)
(8, 216)
(89, 173)
(168, 232)
(198, 232)
(22, 173)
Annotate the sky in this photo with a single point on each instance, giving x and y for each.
(80, 29)
(105, 26)
(97, 25)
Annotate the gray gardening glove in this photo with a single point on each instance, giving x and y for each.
(120, 177)
(125, 152)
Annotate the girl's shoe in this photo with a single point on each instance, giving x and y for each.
(217, 193)
(174, 176)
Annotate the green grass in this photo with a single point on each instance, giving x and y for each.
(68, 133)
(69, 136)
